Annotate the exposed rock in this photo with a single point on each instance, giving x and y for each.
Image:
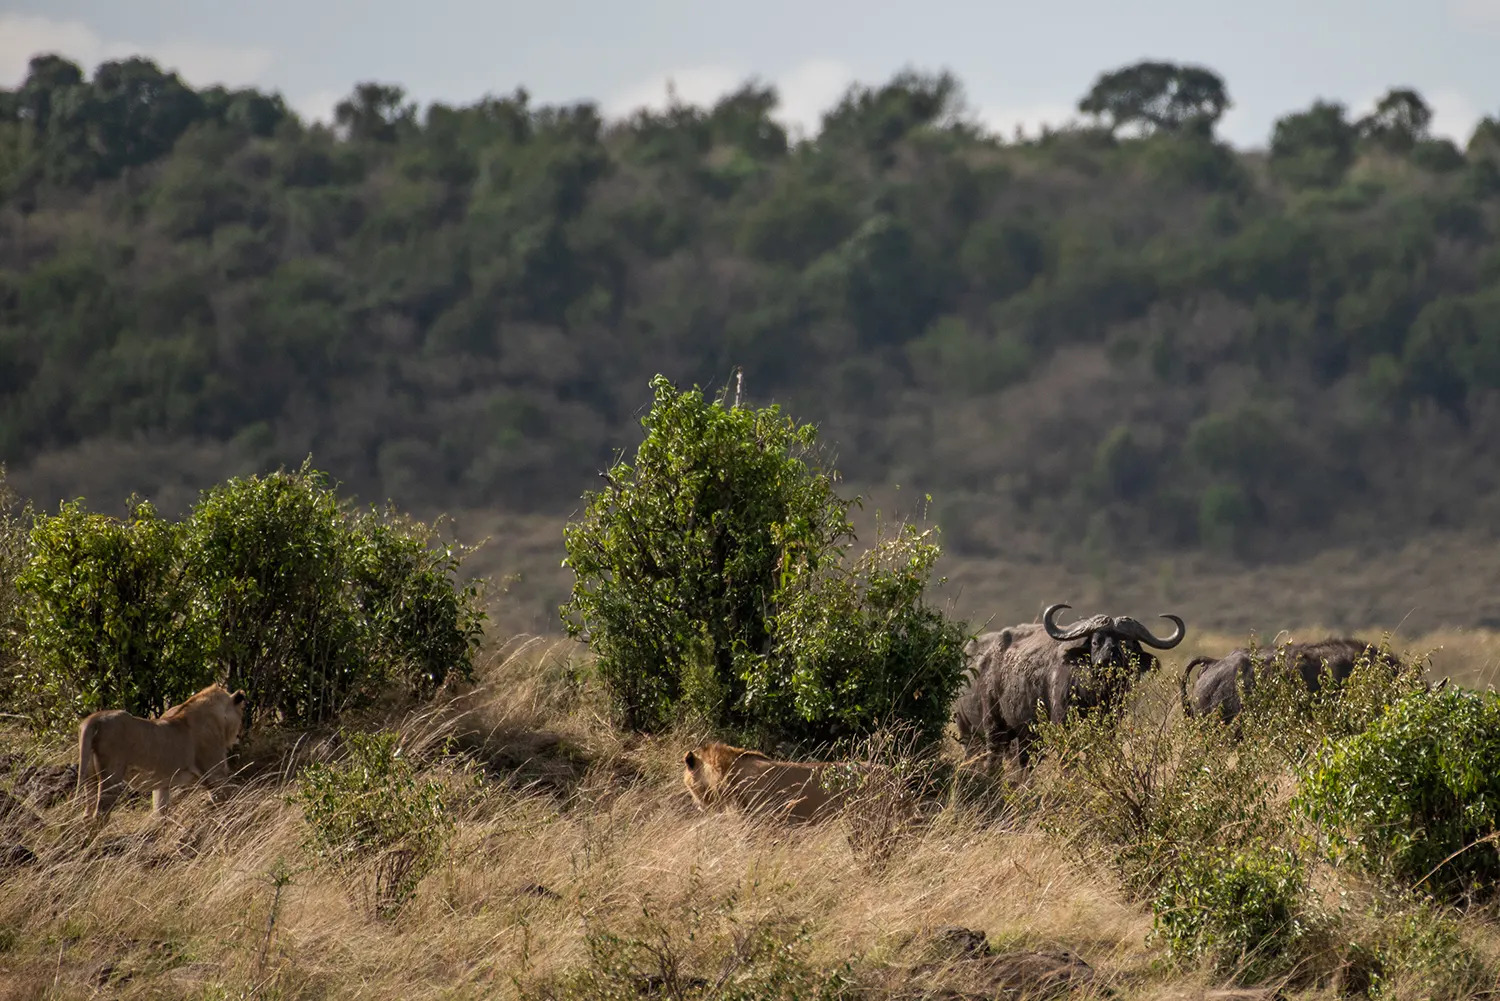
(15, 814)
(1033, 973)
(970, 969)
(45, 786)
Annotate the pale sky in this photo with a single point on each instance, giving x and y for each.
(1019, 63)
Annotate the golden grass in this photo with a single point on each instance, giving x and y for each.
(578, 827)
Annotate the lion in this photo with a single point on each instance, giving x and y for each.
(720, 775)
(186, 744)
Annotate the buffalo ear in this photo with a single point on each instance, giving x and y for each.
(690, 759)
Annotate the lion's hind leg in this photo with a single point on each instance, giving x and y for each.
(91, 794)
(110, 785)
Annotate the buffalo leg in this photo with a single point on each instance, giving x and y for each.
(1023, 751)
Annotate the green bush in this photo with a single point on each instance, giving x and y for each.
(1416, 796)
(318, 608)
(374, 806)
(1189, 814)
(1151, 791)
(855, 647)
(108, 616)
(951, 354)
(1283, 713)
(271, 583)
(1313, 148)
(1224, 513)
(710, 577)
(1406, 948)
(1241, 910)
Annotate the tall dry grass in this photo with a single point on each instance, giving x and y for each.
(579, 829)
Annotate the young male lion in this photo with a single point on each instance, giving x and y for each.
(183, 745)
(720, 775)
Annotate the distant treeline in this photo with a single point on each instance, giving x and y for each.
(1122, 334)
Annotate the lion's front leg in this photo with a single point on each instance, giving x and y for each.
(216, 779)
(161, 797)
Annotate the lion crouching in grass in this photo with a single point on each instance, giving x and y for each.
(719, 775)
(184, 745)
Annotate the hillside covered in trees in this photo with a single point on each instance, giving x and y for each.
(1124, 334)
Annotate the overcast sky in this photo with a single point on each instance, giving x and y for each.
(1019, 63)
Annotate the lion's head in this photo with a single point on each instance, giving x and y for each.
(718, 775)
(707, 767)
(214, 708)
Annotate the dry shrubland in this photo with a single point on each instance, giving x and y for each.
(576, 867)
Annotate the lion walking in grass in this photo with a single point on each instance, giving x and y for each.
(186, 744)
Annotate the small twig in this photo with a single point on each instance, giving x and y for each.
(281, 878)
(1492, 836)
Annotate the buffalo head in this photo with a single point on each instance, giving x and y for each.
(1114, 643)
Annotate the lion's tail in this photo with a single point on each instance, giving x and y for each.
(86, 758)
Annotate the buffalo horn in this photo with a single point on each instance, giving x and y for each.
(1077, 629)
(1136, 631)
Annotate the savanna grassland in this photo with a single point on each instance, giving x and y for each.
(567, 831)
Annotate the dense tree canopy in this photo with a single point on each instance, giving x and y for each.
(1143, 337)
(1157, 96)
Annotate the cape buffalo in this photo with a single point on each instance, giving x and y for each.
(1219, 683)
(1085, 665)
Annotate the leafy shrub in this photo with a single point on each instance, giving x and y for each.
(1189, 814)
(1242, 910)
(1152, 790)
(317, 607)
(950, 354)
(271, 583)
(1313, 148)
(857, 646)
(1416, 796)
(1283, 713)
(1193, 161)
(710, 578)
(374, 807)
(1224, 513)
(1438, 155)
(108, 616)
(1123, 465)
(419, 622)
(1407, 948)
(271, 557)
